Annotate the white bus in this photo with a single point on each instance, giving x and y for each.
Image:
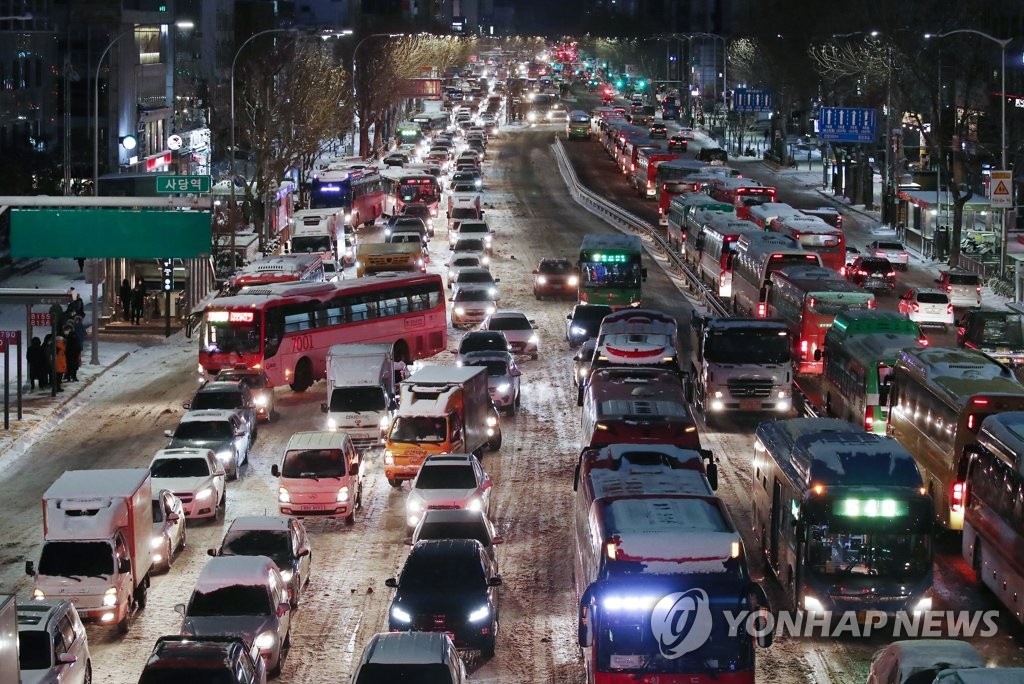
(754, 264)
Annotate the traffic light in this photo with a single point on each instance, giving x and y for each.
(641, 84)
(167, 273)
(619, 84)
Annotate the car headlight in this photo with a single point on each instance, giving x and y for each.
(332, 424)
(204, 493)
(266, 641)
(583, 372)
(110, 597)
(283, 496)
(359, 264)
(38, 594)
(383, 422)
(491, 421)
(399, 615)
(460, 310)
(541, 280)
(156, 542)
(475, 504)
(451, 273)
(224, 455)
(924, 605)
(490, 310)
(478, 183)
(533, 340)
(577, 330)
(503, 387)
(485, 260)
(343, 495)
(493, 291)
(480, 613)
(573, 281)
(287, 575)
(260, 400)
(414, 505)
(389, 457)
(813, 605)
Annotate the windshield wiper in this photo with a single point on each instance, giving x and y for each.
(309, 476)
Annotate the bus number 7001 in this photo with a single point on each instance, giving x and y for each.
(302, 343)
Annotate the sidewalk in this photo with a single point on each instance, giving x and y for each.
(40, 411)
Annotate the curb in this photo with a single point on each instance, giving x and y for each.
(61, 411)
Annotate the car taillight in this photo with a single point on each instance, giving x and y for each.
(890, 274)
(956, 499)
(949, 309)
(949, 288)
(803, 347)
(978, 289)
(917, 308)
(922, 340)
(761, 312)
(869, 419)
(650, 184)
(862, 272)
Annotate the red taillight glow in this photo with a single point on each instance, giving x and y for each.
(917, 308)
(869, 419)
(949, 308)
(956, 499)
(761, 312)
(979, 401)
(803, 347)
(972, 422)
(923, 341)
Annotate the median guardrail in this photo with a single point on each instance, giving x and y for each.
(627, 222)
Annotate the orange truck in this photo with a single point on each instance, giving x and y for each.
(441, 409)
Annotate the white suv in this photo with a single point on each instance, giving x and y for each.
(448, 481)
(195, 476)
(52, 644)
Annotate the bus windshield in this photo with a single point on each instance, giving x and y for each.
(326, 194)
(748, 347)
(827, 306)
(312, 243)
(418, 190)
(238, 337)
(611, 275)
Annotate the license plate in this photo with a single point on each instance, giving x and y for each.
(316, 507)
(750, 404)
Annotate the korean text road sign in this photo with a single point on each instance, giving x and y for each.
(846, 124)
(1000, 190)
(746, 100)
(185, 184)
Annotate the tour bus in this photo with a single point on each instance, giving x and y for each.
(287, 329)
(698, 222)
(638, 337)
(742, 193)
(648, 548)
(615, 136)
(842, 517)
(631, 150)
(610, 270)
(670, 189)
(623, 405)
(681, 207)
(808, 298)
(578, 125)
(993, 516)
(858, 357)
(403, 186)
(315, 230)
(816, 236)
(937, 401)
(638, 459)
(281, 268)
(409, 133)
(764, 214)
(645, 173)
(717, 251)
(432, 123)
(359, 193)
(753, 265)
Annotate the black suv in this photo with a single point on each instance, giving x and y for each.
(1000, 334)
(448, 585)
(483, 340)
(710, 154)
(232, 395)
(872, 273)
(224, 659)
(583, 322)
(258, 383)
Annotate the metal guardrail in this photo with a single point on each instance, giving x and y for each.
(626, 222)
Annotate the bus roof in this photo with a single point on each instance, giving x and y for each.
(876, 347)
(611, 241)
(654, 320)
(833, 452)
(803, 223)
(641, 458)
(872, 321)
(1003, 434)
(280, 263)
(729, 183)
(701, 200)
(812, 277)
(959, 373)
(773, 210)
(663, 481)
(255, 296)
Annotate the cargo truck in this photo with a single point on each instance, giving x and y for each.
(10, 668)
(360, 392)
(97, 534)
(442, 409)
(378, 257)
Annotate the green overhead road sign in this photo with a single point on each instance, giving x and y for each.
(188, 184)
(110, 233)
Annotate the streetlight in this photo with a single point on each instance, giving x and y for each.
(96, 107)
(1002, 42)
(355, 102)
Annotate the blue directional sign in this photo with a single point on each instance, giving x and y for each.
(745, 100)
(846, 124)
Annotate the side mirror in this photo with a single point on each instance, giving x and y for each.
(275, 471)
(568, 317)
(283, 608)
(212, 552)
(576, 474)
(584, 628)
(30, 568)
(304, 552)
(407, 541)
(497, 280)
(497, 539)
(817, 354)
(173, 517)
(323, 407)
(180, 609)
(168, 433)
(124, 566)
(535, 271)
(494, 581)
(239, 433)
(391, 582)
(187, 406)
(67, 658)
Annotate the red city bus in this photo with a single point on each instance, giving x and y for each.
(816, 236)
(681, 176)
(827, 214)
(808, 299)
(741, 193)
(635, 405)
(403, 187)
(282, 268)
(286, 329)
(764, 214)
(644, 176)
(631, 148)
(359, 192)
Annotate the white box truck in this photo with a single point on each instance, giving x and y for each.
(97, 537)
(361, 395)
(10, 668)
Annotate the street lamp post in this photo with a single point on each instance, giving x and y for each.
(355, 102)
(1002, 42)
(96, 111)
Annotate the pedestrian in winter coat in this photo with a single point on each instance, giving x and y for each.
(138, 301)
(76, 307)
(72, 353)
(125, 295)
(36, 364)
(60, 363)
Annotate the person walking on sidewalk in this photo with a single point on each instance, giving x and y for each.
(73, 354)
(138, 302)
(60, 363)
(76, 307)
(81, 264)
(124, 293)
(36, 364)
